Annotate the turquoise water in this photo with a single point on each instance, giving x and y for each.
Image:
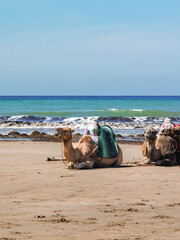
(100, 106)
(127, 115)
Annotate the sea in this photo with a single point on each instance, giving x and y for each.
(128, 116)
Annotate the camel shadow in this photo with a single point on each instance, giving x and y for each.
(112, 167)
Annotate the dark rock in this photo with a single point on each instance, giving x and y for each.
(140, 135)
(119, 136)
(37, 134)
(23, 135)
(130, 135)
(43, 137)
(77, 135)
(13, 133)
(51, 138)
(3, 136)
(44, 134)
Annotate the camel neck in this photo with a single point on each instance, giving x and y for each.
(152, 142)
(68, 150)
(152, 148)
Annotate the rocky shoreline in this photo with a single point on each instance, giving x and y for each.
(77, 124)
(41, 136)
(126, 132)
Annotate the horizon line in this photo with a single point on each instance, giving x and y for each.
(89, 95)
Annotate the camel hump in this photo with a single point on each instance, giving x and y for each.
(86, 139)
(166, 145)
(107, 144)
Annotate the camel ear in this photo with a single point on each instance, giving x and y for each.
(72, 130)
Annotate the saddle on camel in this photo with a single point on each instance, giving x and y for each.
(162, 148)
(96, 148)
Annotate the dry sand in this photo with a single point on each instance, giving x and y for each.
(45, 200)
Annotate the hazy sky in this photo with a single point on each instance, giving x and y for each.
(89, 47)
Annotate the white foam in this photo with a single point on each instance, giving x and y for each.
(140, 119)
(113, 109)
(15, 118)
(137, 110)
(47, 119)
(72, 119)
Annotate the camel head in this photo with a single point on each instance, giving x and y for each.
(176, 131)
(64, 133)
(150, 133)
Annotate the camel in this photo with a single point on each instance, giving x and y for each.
(175, 133)
(84, 155)
(160, 150)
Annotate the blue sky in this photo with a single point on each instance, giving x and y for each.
(89, 47)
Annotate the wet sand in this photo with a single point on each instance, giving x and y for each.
(45, 200)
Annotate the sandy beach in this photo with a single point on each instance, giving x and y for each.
(45, 200)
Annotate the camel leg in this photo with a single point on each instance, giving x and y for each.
(54, 159)
(165, 162)
(177, 156)
(84, 165)
(146, 160)
(120, 158)
(170, 160)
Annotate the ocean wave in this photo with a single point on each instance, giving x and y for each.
(16, 118)
(136, 113)
(113, 109)
(120, 119)
(80, 123)
(137, 110)
(111, 112)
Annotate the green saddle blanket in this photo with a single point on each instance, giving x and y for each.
(107, 146)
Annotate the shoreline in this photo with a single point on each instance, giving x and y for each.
(43, 137)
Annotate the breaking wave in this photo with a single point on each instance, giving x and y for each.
(113, 112)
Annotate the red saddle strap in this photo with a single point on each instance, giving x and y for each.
(176, 144)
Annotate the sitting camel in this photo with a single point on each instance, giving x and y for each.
(84, 155)
(160, 150)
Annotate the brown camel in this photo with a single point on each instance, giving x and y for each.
(175, 133)
(160, 150)
(84, 155)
